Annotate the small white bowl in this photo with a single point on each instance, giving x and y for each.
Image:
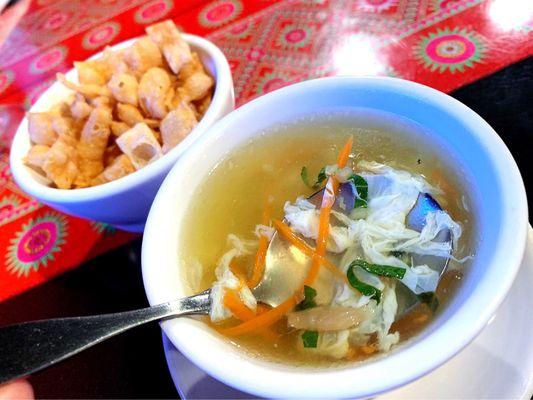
(125, 202)
(499, 205)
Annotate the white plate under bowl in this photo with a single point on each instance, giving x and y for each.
(498, 364)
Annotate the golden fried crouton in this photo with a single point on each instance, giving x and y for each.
(140, 145)
(190, 68)
(37, 155)
(153, 89)
(118, 128)
(92, 145)
(121, 166)
(60, 165)
(90, 73)
(88, 90)
(143, 55)
(103, 101)
(40, 128)
(177, 125)
(202, 105)
(79, 108)
(129, 114)
(111, 153)
(171, 43)
(124, 88)
(64, 126)
(113, 62)
(197, 85)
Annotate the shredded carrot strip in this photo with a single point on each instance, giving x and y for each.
(284, 230)
(262, 321)
(233, 302)
(345, 153)
(328, 200)
(259, 262)
(262, 308)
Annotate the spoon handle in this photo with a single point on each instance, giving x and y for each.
(31, 346)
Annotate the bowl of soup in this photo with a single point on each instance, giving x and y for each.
(278, 170)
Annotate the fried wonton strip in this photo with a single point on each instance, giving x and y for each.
(118, 128)
(37, 155)
(79, 108)
(129, 114)
(153, 88)
(121, 166)
(103, 101)
(177, 125)
(175, 49)
(64, 126)
(202, 105)
(60, 165)
(111, 153)
(198, 85)
(88, 90)
(113, 62)
(90, 73)
(92, 145)
(40, 128)
(124, 88)
(140, 145)
(143, 55)
(190, 68)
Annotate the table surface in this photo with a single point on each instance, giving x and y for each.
(133, 365)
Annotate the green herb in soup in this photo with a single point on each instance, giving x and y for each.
(358, 253)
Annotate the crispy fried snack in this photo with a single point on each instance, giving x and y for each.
(92, 145)
(143, 55)
(124, 88)
(121, 166)
(61, 164)
(40, 128)
(175, 49)
(176, 125)
(140, 145)
(129, 107)
(37, 155)
(153, 88)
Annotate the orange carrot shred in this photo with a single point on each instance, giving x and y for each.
(233, 302)
(261, 321)
(328, 200)
(259, 262)
(345, 153)
(284, 230)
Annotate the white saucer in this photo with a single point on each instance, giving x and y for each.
(498, 364)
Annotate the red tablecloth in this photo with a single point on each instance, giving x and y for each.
(269, 44)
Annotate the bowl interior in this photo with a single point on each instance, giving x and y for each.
(499, 206)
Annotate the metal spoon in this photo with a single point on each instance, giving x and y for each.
(29, 347)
